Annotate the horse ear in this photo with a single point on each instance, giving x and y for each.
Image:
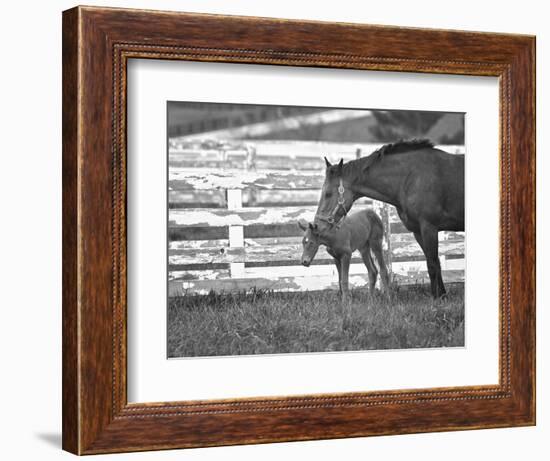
(327, 163)
(302, 224)
(340, 166)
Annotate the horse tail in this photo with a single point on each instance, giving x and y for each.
(375, 242)
(375, 225)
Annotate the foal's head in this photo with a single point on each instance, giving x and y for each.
(336, 196)
(310, 241)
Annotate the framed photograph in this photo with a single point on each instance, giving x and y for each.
(281, 230)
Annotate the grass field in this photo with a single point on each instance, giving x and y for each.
(273, 323)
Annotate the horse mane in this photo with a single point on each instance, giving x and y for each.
(402, 146)
(399, 147)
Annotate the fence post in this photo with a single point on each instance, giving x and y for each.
(250, 157)
(236, 233)
(443, 262)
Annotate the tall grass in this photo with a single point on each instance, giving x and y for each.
(263, 322)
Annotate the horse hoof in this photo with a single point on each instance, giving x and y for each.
(437, 302)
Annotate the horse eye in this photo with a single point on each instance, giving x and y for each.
(328, 195)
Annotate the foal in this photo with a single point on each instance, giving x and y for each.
(361, 231)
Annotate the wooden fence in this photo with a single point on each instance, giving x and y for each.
(233, 220)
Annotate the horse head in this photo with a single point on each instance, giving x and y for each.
(310, 241)
(336, 196)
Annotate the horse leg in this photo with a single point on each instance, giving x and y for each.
(371, 268)
(430, 244)
(379, 254)
(418, 237)
(345, 261)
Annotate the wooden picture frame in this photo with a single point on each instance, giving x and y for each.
(97, 43)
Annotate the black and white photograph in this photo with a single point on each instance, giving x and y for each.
(313, 229)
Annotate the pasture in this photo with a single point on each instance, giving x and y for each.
(268, 322)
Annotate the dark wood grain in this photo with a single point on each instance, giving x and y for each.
(70, 384)
(97, 43)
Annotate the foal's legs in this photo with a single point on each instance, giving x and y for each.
(430, 244)
(371, 268)
(344, 262)
(337, 263)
